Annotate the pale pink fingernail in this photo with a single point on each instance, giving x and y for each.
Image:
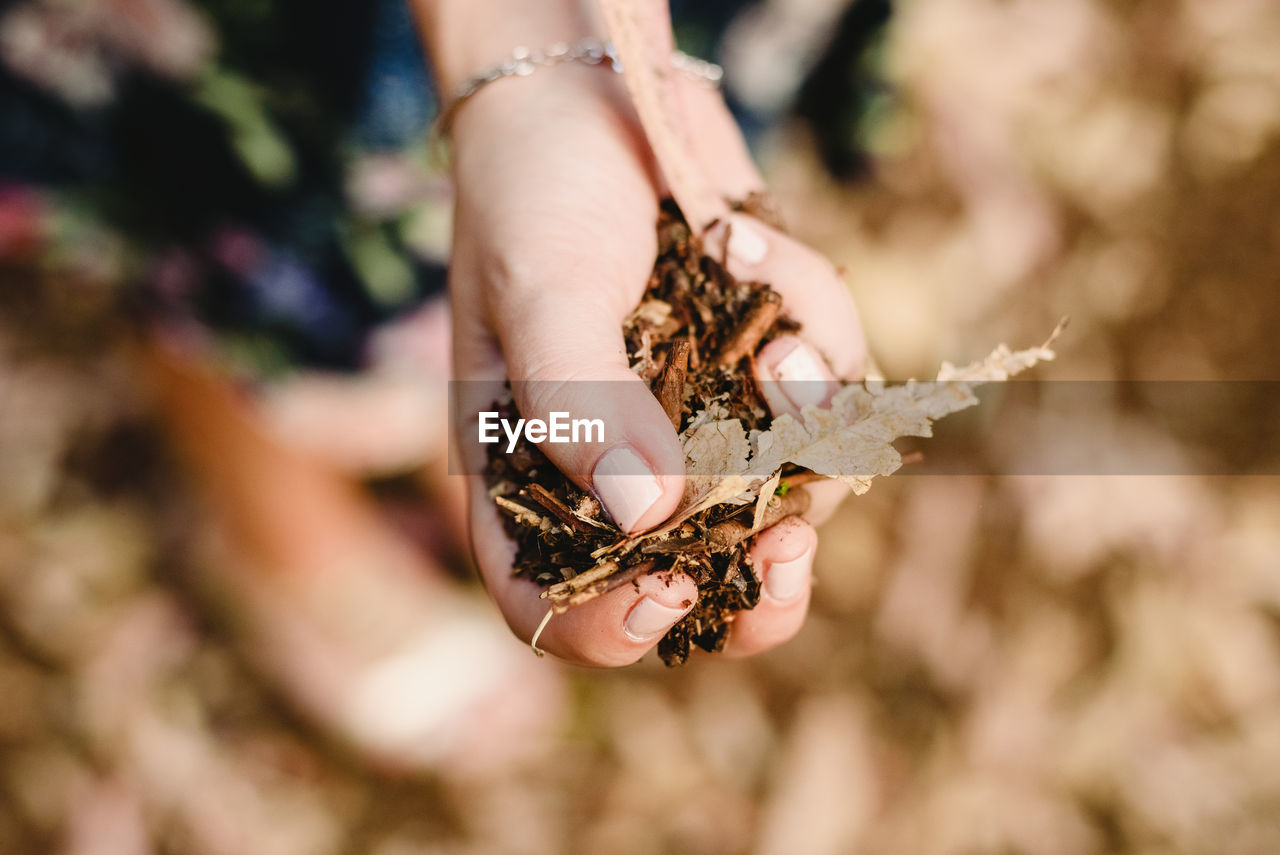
(746, 244)
(784, 581)
(803, 377)
(625, 485)
(649, 618)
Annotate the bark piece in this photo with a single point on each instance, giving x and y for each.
(670, 390)
(760, 317)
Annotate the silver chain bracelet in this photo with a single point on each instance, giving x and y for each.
(591, 51)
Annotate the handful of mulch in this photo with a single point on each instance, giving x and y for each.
(693, 337)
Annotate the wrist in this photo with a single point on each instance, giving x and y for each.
(570, 95)
(463, 37)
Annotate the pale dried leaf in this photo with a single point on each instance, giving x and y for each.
(714, 410)
(655, 312)
(764, 498)
(851, 441)
(717, 448)
(588, 511)
(731, 490)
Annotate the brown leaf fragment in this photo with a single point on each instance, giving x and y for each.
(716, 449)
(730, 489)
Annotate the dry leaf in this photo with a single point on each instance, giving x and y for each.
(714, 410)
(851, 440)
(764, 498)
(725, 490)
(716, 448)
(653, 312)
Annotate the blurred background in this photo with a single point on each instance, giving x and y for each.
(235, 609)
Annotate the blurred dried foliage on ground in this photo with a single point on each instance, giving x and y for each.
(1028, 664)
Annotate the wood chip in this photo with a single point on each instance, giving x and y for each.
(558, 509)
(600, 579)
(759, 317)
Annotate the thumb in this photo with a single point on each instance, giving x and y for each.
(567, 362)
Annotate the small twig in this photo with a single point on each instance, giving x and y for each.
(524, 515)
(587, 586)
(617, 580)
(558, 509)
(759, 317)
(608, 575)
(670, 391)
(730, 533)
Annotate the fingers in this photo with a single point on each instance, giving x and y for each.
(566, 355)
(718, 146)
(783, 556)
(614, 629)
(792, 375)
(791, 371)
(619, 627)
(824, 497)
(572, 350)
(812, 292)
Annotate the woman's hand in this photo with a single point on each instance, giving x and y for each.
(554, 241)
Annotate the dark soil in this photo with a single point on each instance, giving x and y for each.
(697, 352)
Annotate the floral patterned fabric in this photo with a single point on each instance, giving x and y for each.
(258, 170)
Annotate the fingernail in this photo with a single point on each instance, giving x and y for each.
(625, 485)
(786, 580)
(649, 618)
(746, 244)
(803, 378)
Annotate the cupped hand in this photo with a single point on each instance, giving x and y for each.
(554, 241)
